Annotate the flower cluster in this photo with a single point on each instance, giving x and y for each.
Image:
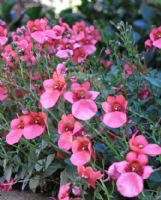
(131, 173)
(41, 66)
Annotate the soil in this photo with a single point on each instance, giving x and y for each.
(14, 195)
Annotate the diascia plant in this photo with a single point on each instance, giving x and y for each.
(78, 123)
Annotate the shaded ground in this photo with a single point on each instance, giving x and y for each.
(21, 196)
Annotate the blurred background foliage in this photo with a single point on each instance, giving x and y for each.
(142, 15)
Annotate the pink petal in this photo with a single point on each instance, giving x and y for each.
(93, 94)
(49, 99)
(106, 107)
(115, 119)
(75, 86)
(84, 109)
(65, 142)
(152, 150)
(116, 169)
(89, 49)
(3, 40)
(32, 131)
(69, 97)
(129, 184)
(77, 127)
(14, 136)
(80, 158)
(39, 36)
(86, 85)
(157, 43)
(48, 85)
(147, 172)
(64, 53)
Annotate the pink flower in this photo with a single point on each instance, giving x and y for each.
(80, 55)
(139, 144)
(37, 25)
(115, 109)
(17, 126)
(155, 37)
(129, 175)
(3, 92)
(30, 126)
(82, 100)
(6, 186)
(89, 174)
(36, 125)
(82, 151)
(67, 128)
(63, 192)
(53, 89)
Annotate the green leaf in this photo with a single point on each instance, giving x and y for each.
(49, 160)
(52, 169)
(34, 12)
(67, 175)
(8, 172)
(154, 81)
(34, 182)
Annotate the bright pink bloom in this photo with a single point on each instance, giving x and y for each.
(6, 186)
(82, 100)
(115, 109)
(63, 192)
(69, 124)
(80, 55)
(3, 92)
(89, 174)
(82, 151)
(30, 126)
(53, 89)
(155, 37)
(17, 126)
(139, 144)
(129, 175)
(67, 128)
(36, 125)
(37, 25)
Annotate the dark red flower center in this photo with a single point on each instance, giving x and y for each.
(80, 94)
(117, 107)
(59, 85)
(135, 167)
(83, 146)
(158, 35)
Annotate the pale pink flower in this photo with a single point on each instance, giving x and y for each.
(115, 108)
(53, 89)
(63, 192)
(129, 175)
(30, 126)
(82, 151)
(89, 174)
(140, 144)
(82, 100)
(155, 37)
(68, 127)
